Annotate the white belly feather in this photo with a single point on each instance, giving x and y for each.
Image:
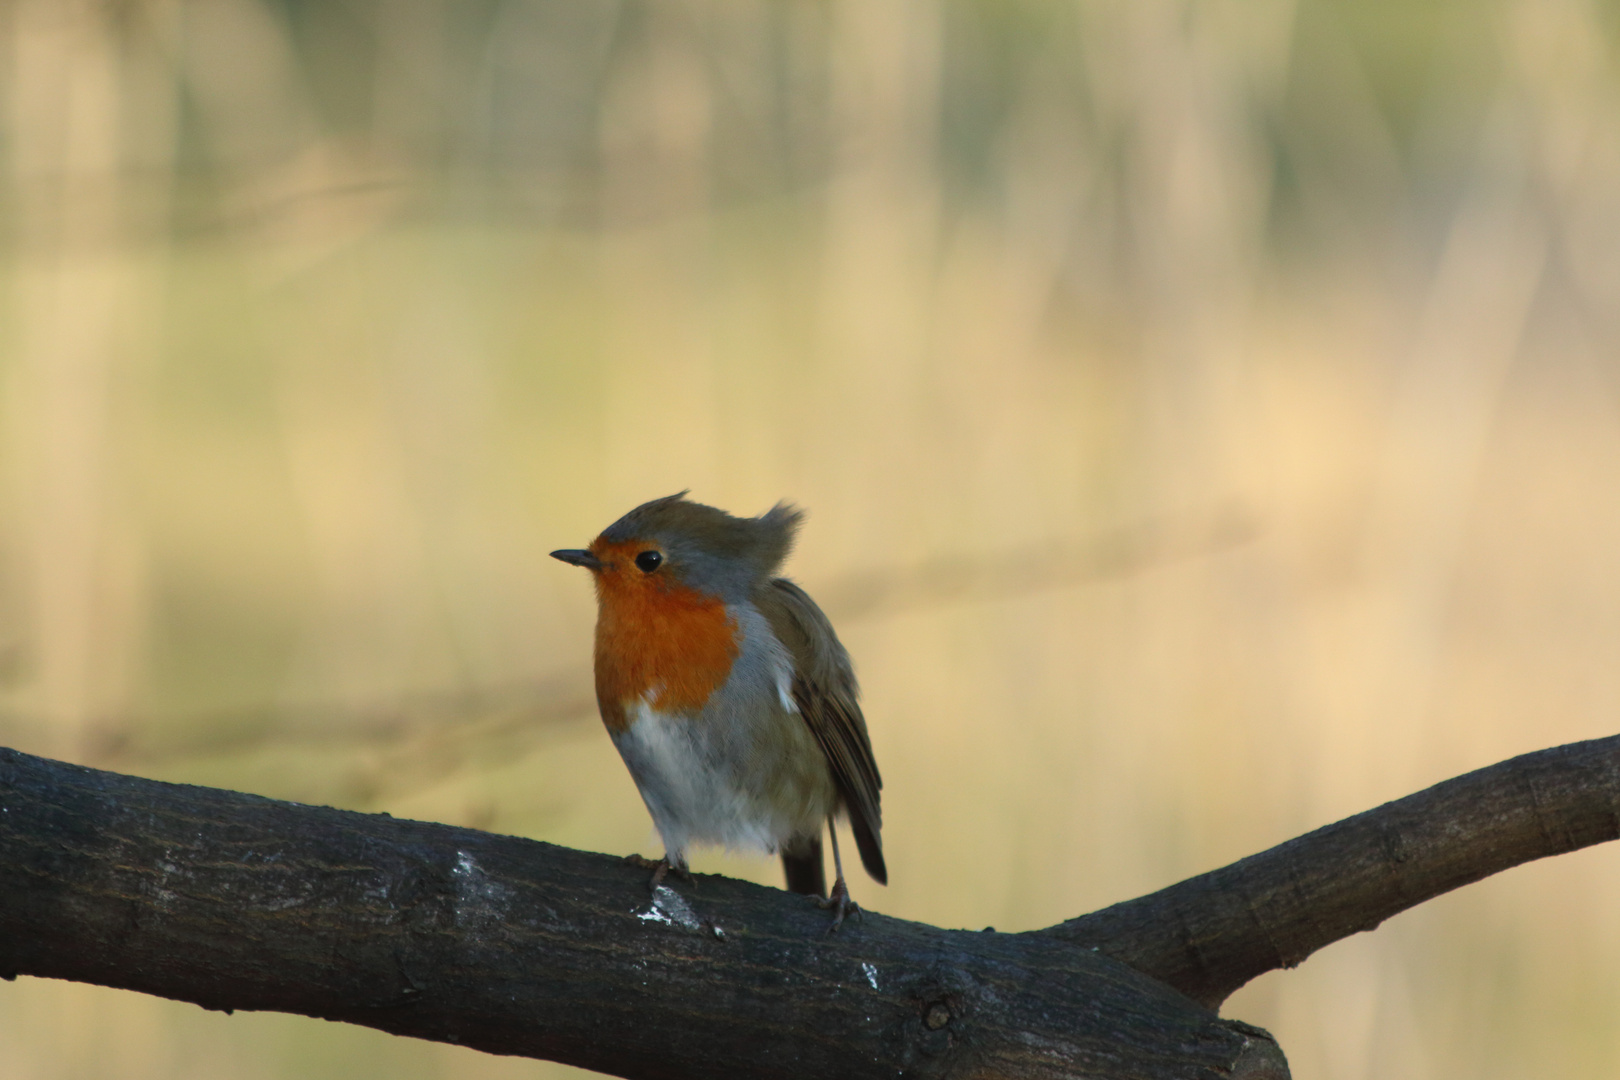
(741, 782)
(744, 772)
(691, 788)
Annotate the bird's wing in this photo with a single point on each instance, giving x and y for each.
(825, 691)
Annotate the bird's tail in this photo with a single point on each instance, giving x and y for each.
(802, 862)
(870, 847)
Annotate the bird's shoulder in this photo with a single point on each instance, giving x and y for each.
(824, 690)
(807, 635)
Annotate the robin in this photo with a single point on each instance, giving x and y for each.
(727, 693)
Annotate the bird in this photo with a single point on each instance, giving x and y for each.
(728, 694)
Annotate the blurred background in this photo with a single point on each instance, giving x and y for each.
(1208, 414)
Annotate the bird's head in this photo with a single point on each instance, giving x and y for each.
(674, 544)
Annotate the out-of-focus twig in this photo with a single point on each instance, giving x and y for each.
(431, 734)
(1059, 564)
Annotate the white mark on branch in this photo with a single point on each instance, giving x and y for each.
(479, 900)
(162, 896)
(871, 974)
(652, 914)
(671, 909)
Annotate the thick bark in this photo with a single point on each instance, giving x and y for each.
(512, 946)
(517, 947)
(1210, 934)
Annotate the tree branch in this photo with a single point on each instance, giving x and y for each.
(516, 947)
(1210, 934)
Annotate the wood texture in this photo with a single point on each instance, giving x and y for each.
(516, 947)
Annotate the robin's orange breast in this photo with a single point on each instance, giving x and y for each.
(658, 640)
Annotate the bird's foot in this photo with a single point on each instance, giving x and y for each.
(667, 904)
(661, 869)
(841, 904)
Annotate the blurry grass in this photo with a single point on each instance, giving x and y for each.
(1207, 415)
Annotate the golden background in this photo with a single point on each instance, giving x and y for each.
(1208, 415)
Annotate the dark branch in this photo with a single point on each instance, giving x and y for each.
(1210, 934)
(516, 947)
(511, 946)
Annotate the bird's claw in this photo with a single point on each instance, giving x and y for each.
(661, 869)
(841, 904)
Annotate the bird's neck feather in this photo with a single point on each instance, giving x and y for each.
(669, 645)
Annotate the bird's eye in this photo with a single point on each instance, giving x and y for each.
(649, 561)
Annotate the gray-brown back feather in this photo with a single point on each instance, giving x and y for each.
(825, 691)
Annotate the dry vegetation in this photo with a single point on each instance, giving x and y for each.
(1207, 414)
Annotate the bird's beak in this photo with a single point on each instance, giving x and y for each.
(578, 557)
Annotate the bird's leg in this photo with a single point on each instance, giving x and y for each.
(661, 868)
(667, 904)
(839, 900)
